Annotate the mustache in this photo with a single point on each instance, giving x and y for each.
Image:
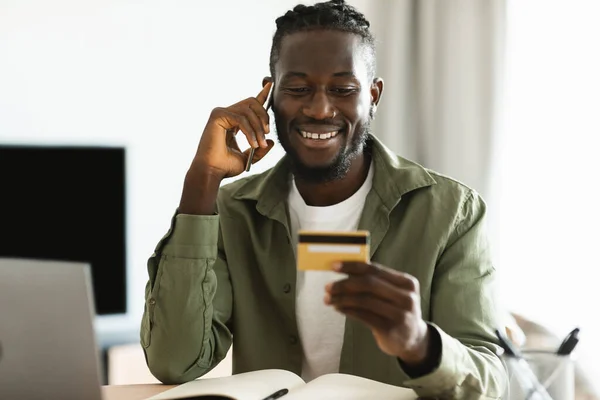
(307, 121)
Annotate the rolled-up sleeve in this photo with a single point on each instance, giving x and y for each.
(184, 329)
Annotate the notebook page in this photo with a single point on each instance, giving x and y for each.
(349, 387)
(246, 386)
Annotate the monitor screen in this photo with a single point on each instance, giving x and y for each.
(67, 203)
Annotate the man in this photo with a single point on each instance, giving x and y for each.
(421, 315)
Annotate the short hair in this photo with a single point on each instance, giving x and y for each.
(329, 15)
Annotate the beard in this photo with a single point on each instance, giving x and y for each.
(338, 168)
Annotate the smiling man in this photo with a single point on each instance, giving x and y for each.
(421, 314)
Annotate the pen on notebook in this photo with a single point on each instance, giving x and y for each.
(277, 394)
(252, 149)
(568, 345)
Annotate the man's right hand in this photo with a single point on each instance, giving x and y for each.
(218, 155)
(218, 152)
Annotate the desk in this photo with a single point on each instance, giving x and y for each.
(132, 392)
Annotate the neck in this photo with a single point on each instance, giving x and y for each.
(334, 192)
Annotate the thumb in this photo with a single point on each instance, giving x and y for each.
(260, 152)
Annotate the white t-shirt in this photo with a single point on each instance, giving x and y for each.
(320, 326)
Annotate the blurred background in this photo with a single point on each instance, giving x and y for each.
(501, 94)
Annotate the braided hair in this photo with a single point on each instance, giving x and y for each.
(329, 15)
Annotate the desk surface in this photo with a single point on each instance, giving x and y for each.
(132, 392)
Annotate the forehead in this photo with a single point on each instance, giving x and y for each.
(322, 52)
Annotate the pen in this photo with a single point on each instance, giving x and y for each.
(277, 394)
(567, 346)
(252, 149)
(507, 345)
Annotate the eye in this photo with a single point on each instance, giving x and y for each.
(344, 91)
(297, 90)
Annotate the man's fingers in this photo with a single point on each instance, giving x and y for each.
(361, 284)
(259, 153)
(261, 113)
(396, 278)
(257, 126)
(371, 320)
(376, 287)
(263, 116)
(264, 93)
(231, 141)
(234, 122)
(354, 268)
(383, 309)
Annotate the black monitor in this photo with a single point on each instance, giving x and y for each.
(68, 203)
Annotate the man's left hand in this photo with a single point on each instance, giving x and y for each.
(389, 303)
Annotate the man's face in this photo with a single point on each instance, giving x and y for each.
(322, 101)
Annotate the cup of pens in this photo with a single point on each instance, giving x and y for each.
(554, 372)
(547, 374)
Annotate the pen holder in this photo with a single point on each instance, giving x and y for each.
(554, 372)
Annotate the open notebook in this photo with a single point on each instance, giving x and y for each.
(258, 385)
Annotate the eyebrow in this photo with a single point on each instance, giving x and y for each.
(293, 74)
(349, 74)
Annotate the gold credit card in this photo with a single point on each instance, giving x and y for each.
(318, 250)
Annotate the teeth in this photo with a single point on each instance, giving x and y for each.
(320, 136)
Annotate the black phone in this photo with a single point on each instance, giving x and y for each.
(269, 104)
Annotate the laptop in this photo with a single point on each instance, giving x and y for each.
(47, 340)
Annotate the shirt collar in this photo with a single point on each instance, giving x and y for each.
(394, 177)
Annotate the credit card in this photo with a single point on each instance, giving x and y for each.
(318, 250)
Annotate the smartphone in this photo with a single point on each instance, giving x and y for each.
(268, 105)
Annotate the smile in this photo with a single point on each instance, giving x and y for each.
(318, 136)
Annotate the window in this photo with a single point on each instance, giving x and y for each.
(547, 221)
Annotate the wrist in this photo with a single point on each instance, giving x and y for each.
(200, 190)
(426, 357)
(418, 352)
(207, 174)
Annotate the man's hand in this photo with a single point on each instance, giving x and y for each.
(389, 303)
(218, 151)
(218, 155)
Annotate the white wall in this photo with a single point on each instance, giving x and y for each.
(143, 74)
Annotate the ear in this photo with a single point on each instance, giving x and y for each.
(376, 91)
(266, 80)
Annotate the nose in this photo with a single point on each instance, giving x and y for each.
(319, 106)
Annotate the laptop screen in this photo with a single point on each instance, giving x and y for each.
(67, 203)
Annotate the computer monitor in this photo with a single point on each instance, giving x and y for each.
(67, 203)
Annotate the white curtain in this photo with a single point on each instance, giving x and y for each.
(440, 63)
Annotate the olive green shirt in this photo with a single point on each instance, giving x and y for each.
(230, 278)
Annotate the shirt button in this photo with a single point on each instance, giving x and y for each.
(293, 339)
(152, 302)
(287, 288)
